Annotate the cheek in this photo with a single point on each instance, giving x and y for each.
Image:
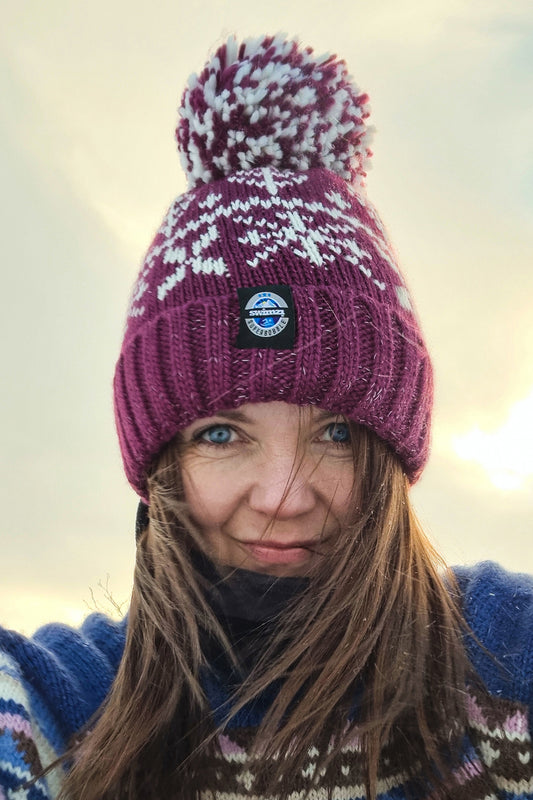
(210, 494)
(339, 489)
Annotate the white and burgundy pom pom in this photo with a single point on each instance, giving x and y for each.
(266, 102)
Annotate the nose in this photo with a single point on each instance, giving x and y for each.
(283, 487)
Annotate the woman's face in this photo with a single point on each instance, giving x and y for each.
(268, 483)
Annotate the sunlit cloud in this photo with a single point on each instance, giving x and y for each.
(506, 454)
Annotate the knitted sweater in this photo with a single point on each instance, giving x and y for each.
(51, 684)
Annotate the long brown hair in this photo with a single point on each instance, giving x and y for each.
(377, 622)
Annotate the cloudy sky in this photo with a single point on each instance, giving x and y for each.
(88, 167)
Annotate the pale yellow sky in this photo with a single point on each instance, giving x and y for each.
(88, 165)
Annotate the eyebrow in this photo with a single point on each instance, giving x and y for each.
(233, 414)
(328, 415)
(327, 418)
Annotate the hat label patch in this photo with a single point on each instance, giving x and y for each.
(266, 317)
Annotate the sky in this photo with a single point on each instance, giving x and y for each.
(88, 166)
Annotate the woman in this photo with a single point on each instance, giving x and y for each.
(289, 634)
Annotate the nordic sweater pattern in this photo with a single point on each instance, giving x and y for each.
(51, 684)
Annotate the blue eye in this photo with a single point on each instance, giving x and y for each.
(338, 432)
(217, 434)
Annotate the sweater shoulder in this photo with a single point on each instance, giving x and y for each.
(25, 741)
(498, 608)
(62, 673)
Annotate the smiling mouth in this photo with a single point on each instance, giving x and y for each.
(279, 552)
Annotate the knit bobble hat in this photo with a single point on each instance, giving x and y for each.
(272, 277)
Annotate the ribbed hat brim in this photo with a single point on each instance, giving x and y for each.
(357, 358)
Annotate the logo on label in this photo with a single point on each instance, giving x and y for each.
(267, 318)
(266, 314)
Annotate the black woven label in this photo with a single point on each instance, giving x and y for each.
(267, 317)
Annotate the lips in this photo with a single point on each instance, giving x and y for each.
(269, 552)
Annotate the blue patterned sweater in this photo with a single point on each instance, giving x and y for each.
(51, 684)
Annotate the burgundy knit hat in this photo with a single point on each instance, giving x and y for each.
(272, 278)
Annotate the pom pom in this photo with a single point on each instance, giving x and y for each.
(266, 102)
